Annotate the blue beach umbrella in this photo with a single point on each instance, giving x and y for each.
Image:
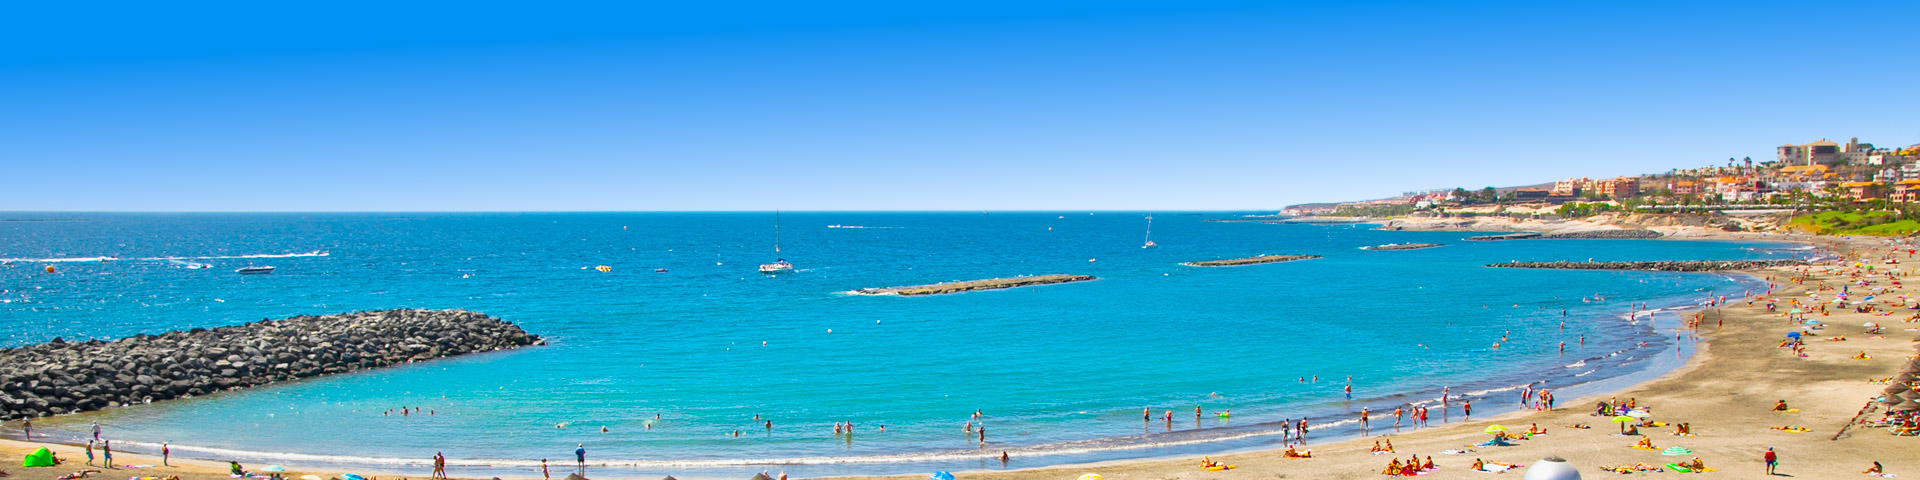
(1793, 334)
(940, 476)
(349, 476)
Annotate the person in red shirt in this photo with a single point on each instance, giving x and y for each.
(1772, 460)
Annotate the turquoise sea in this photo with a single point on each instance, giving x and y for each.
(1060, 373)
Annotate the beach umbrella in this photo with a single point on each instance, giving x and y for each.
(1623, 420)
(1676, 450)
(1796, 311)
(274, 469)
(311, 477)
(1496, 429)
(1090, 476)
(940, 476)
(1638, 414)
(349, 476)
(1793, 334)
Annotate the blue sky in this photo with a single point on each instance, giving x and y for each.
(343, 106)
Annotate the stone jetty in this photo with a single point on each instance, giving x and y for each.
(1506, 236)
(1401, 246)
(1253, 260)
(974, 285)
(62, 376)
(1659, 265)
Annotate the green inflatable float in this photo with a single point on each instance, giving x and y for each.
(39, 458)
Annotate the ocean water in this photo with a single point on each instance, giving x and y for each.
(672, 363)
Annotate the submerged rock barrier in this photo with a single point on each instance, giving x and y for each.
(974, 285)
(61, 376)
(1401, 246)
(1253, 260)
(1658, 265)
(1507, 236)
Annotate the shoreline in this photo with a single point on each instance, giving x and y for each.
(1702, 356)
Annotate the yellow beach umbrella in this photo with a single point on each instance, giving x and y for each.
(1623, 420)
(1496, 429)
(1090, 476)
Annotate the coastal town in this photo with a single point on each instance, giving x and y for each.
(1815, 187)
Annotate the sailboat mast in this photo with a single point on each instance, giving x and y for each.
(1149, 228)
(776, 231)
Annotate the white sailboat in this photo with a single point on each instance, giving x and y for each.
(779, 264)
(1150, 243)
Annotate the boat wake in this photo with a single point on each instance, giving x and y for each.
(315, 253)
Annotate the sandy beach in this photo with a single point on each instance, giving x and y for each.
(1725, 392)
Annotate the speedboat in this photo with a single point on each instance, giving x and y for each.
(255, 270)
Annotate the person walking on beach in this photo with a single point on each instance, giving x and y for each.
(1773, 460)
(580, 456)
(165, 451)
(439, 465)
(89, 452)
(106, 453)
(543, 470)
(1363, 420)
(1466, 410)
(96, 431)
(27, 426)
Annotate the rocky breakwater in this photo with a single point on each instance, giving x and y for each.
(1659, 265)
(1401, 246)
(61, 376)
(1253, 260)
(974, 285)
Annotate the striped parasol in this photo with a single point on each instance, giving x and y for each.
(1676, 450)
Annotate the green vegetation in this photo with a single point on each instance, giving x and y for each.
(1583, 210)
(1859, 222)
(1371, 210)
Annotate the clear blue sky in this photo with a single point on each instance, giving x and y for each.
(912, 105)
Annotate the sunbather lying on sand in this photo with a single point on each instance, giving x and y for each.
(1579, 426)
(1291, 453)
(1645, 443)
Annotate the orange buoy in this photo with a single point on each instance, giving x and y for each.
(49, 268)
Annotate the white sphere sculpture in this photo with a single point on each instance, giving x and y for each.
(1551, 468)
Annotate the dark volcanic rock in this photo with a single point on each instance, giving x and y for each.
(1661, 265)
(65, 377)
